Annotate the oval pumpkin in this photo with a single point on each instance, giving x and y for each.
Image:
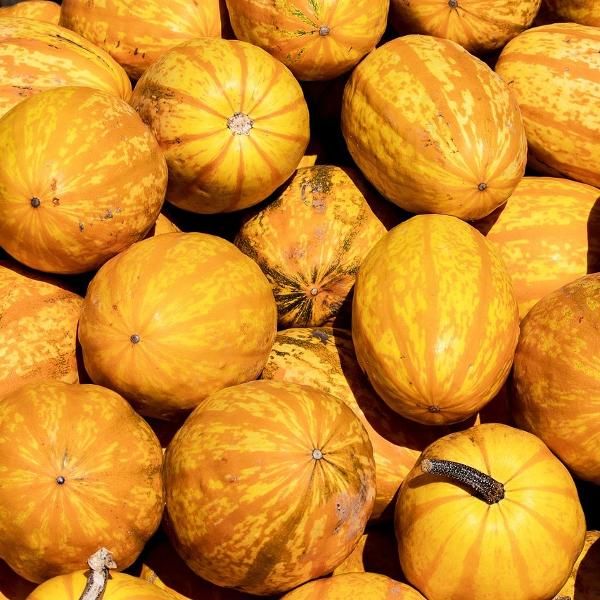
(41, 10)
(231, 120)
(433, 128)
(584, 581)
(290, 486)
(584, 12)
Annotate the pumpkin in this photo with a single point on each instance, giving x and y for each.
(320, 39)
(547, 234)
(310, 241)
(584, 12)
(269, 484)
(37, 56)
(475, 25)
(231, 120)
(42, 10)
(342, 587)
(81, 179)
(38, 328)
(433, 128)
(488, 500)
(434, 319)
(584, 581)
(554, 73)
(163, 225)
(12, 586)
(136, 34)
(557, 376)
(173, 319)
(79, 469)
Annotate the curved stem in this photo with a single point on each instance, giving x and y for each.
(99, 562)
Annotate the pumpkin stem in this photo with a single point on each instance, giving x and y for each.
(99, 562)
(484, 486)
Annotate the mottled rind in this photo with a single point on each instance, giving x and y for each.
(584, 581)
(42, 10)
(584, 12)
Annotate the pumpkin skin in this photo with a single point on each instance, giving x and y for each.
(37, 56)
(310, 241)
(202, 315)
(584, 12)
(440, 354)
(42, 10)
(231, 120)
(556, 375)
(69, 210)
(320, 39)
(554, 73)
(111, 492)
(433, 128)
(269, 484)
(453, 544)
(546, 233)
(12, 586)
(584, 581)
(163, 225)
(137, 34)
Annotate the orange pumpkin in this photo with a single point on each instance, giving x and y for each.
(556, 375)
(174, 318)
(484, 502)
(81, 179)
(433, 128)
(42, 10)
(584, 581)
(584, 12)
(320, 39)
(163, 225)
(231, 120)
(79, 469)
(136, 34)
(12, 586)
(269, 485)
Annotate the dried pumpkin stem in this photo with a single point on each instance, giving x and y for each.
(483, 486)
(99, 562)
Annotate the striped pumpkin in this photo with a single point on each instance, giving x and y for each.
(231, 120)
(12, 586)
(454, 544)
(42, 10)
(37, 56)
(584, 12)
(434, 319)
(584, 581)
(554, 73)
(288, 490)
(79, 469)
(547, 235)
(557, 375)
(137, 34)
(433, 128)
(320, 39)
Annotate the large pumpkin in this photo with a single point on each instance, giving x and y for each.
(584, 12)
(434, 319)
(584, 581)
(488, 500)
(433, 128)
(81, 179)
(135, 33)
(79, 469)
(557, 375)
(548, 234)
(554, 73)
(174, 318)
(42, 10)
(269, 485)
(320, 39)
(231, 120)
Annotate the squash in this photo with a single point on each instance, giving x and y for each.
(433, 128)
(163, 225)
(81, 179)
(231, 120)
(434, 319)
(12, 586)
(554, 73)
(485, 501)
(137, 34)
(584, 581)
(79, 469)
(557, 375)
(269, 484)
(42, 10)
(316, 40)
(584, 12)
(173, 319)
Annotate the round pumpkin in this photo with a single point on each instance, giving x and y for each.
(485, 501)
(136, 34)
(433, 128)
(554, 73)
(231, 120)
(557, 378)
(81, 179)
(79, 469)
(269, 484)
(584, 581)
(320, 39)
(584, 12)
(163, 225)
(42, 10)
(173, 319)
(12, 586)
(434, 319)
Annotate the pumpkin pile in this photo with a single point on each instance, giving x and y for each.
(299, 299)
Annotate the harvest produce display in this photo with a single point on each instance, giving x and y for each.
(299, 299)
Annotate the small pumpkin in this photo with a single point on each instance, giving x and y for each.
(584, 581)
(584, 12)
(41, 10)
(163, 225)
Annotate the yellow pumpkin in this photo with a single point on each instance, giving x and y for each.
(42, 10)
(584, 12)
